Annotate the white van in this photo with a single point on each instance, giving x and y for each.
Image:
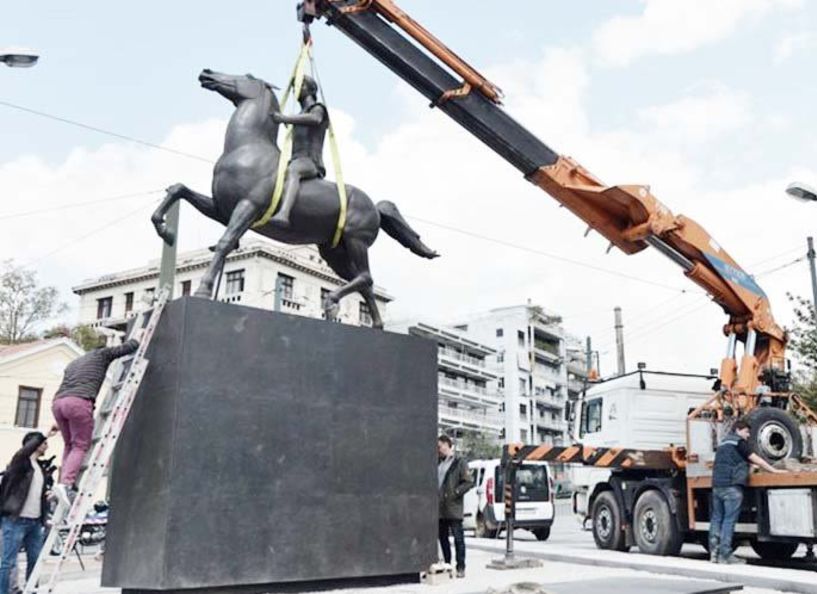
(484, 509)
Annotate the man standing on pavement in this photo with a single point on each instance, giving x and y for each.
(73, 409)
(23, 505)
(454, 480)
(729, 476)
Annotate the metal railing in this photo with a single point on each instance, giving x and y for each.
(492, 419)
(451, 353)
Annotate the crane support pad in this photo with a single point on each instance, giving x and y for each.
(591, 456)
(477, 114)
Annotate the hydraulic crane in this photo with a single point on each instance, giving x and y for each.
(629, 216)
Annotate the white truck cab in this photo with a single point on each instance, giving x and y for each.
(643, 409)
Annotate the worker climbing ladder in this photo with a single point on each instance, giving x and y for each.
(116, 405)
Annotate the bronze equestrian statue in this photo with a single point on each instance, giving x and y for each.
(243, 184)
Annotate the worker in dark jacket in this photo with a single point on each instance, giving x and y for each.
(454, 480)
(73, 409)
(729, 476)
(23, 504)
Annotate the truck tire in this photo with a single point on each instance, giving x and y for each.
(608, 530)
(541, 533)
(774, 551)
(654, 528)
(482, 530)
(775, 434)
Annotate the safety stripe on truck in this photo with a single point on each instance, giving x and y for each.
(592, 456)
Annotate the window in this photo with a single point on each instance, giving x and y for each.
(501, 383)
(128, 302)
(235, 282)
(286, 285)
(500, 358)
(523, 411)
(365, 314)
(186, 286)
(523, 435)
(104, 307)
(324, 296)
(591, 416)
(28, 407)
(522, 386)
(499, 333)
(149, 294)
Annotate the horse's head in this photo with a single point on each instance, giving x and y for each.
(237, 87)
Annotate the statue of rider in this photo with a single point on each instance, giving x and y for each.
(308, 135)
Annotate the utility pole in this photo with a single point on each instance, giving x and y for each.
(619, 341)
(167, 270)
(588, 354)
(813, 272)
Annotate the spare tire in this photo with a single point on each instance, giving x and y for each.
(775, 434)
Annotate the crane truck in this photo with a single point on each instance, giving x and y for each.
(655, 497)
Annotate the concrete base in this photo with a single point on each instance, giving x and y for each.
(265, 449)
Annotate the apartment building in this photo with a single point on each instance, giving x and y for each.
(537, 369)
(260, 273)
(468, 397)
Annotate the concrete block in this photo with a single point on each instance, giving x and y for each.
(265, 449)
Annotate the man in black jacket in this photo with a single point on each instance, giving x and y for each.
(454, 480)
(73, 409)
(23, 505)
(729, 476)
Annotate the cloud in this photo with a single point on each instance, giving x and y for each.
(436, 172)
(792, 43)
(700, 118)
(673, 27)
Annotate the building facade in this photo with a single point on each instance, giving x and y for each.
(538, 370)
(30, 374)
(469, 401)
(260, 273)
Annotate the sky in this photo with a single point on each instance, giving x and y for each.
(710, 103)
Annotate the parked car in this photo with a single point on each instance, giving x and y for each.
(484, 511)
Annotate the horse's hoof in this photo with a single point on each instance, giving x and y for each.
(174, 189)
(168, 236)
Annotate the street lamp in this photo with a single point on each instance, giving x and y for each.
(18, 57)
(802, 192)
(807, 194)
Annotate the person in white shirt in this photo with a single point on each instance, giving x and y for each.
(23, 505)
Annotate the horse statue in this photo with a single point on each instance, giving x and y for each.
(244, 179)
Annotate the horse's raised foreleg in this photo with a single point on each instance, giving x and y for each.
(204, 204)
(244, 214)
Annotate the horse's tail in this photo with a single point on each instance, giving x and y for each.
(393, 223)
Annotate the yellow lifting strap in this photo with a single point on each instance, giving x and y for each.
(294, 90)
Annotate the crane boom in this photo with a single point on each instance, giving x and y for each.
(629, 216)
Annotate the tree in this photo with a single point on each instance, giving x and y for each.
(803, 342)
(84, 335)
(478, 446)
(23, 303)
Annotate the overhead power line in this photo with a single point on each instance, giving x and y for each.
(70, 122)
(69, 206)
(546, 254)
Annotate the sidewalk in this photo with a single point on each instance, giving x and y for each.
(477, 580)
(755, 576)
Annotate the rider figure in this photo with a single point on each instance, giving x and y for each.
(308, 135)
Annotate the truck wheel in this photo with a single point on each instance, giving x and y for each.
(654, 527)
(607, 525)
(541, 533)
(775, 434)
(482, 530)
(774, 551)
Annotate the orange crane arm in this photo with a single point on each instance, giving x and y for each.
(630, 217)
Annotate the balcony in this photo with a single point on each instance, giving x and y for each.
(458, 356)
(551, 424)
(471, 417)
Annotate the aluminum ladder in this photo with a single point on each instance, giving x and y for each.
(116, 405)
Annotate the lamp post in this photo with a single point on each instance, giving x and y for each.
(18, 57)
(806, 193)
